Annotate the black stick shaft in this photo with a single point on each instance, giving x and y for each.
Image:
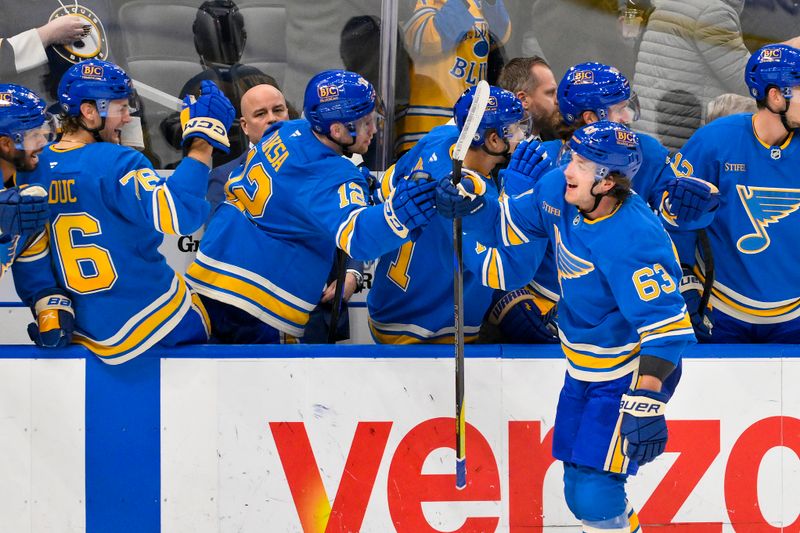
(341, 272)
(458, 311)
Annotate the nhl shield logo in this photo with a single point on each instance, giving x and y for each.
(94, 43)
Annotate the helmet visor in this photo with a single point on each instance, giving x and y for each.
(626, 112)
(36, 138)
(568, 157)
(519, 131)
(365, 124)
(119, 107)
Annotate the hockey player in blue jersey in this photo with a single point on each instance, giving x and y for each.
(622, 322)
(587, 93)
(408, 302)
(268, 249)
(25, 128)
(753, 161)
(109, 211)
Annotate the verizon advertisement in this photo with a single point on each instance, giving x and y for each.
(366, 445)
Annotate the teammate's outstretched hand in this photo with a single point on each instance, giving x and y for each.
(643, 428)
(519, 319)
(411, 204)
(528, 162)
(23, 210)
(208, 117)
(55, 320)
(691, 291)
(690, 198)
(460, 200)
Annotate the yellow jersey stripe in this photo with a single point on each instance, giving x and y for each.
(493, 277)
(38, 247)
(197, 303)
(399, 338)
(345, 234)
(683, 323)
(251, 291)
(164, 215)
(595, 362)
(141, 332)
(774, 312)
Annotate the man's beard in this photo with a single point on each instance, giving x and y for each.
(21, 162)
(549, 128)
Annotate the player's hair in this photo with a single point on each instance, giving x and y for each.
(517, 74)
(729, 104)
(623, 186)
(69, 124)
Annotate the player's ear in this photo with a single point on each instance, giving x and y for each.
(606, 184)
(493, 141)
(89, 110)
(589, 117)
(6, 145)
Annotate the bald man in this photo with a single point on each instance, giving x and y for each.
(262, 106)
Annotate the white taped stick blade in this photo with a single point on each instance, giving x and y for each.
(474, 117)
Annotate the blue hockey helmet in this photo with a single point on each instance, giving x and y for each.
(503, 112)
(94, 80)
(22, 112)
(611, 146)
(773, 65)
(337, 96)
(594, 87)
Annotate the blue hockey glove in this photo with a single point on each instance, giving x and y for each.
(411, 204)
(453, 21)
(208, 117)
(463, 199)
(496, 16)
(55, 319)
(643, 428)
(528, 162)
(23, 210)
(520, 320)
(691, 290)
(689, 198)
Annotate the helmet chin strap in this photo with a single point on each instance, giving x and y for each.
(96, 131)
(782, 114)
(344, 146)
(597, 199)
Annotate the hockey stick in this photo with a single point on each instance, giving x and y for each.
(476, 110)
(341, 273)
(708, 260)
(158, 96)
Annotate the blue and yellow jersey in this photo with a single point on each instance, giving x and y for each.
(109, 211)
(755, 229)
(411, 299)
(650, 183)
(441, 70)
(618, 277)
(269, 248)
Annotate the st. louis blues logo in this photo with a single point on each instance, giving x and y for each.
(764, 206)
(570, 266)
(93, 44)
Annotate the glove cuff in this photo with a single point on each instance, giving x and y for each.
(206, 127)
(689, 282)
(53, 300)
(504, 304)
(643, 403)
(392, 220)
